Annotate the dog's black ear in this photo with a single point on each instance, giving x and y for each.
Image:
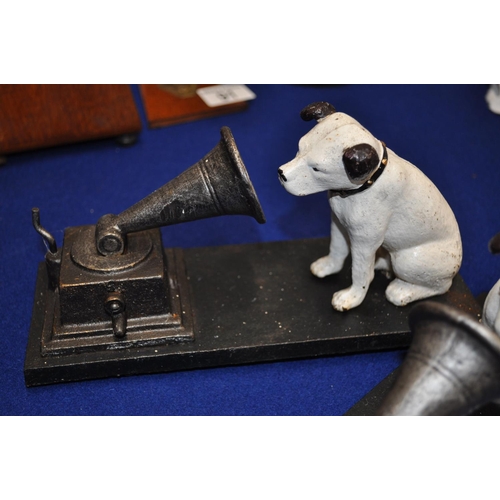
(317, 111)
(494, 244)
(360, 161)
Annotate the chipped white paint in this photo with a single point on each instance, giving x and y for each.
(401, 225)
(491, 309)
(491, 313)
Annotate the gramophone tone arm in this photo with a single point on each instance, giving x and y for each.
(170, 204)
(111, 230)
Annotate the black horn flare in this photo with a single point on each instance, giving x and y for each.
(317, 111)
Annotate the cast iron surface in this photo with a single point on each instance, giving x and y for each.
(252, 303)
(452, 368)
(112, 293)
(216, 185)
(370, 403)
(147, 304)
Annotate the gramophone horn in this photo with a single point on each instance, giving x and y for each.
(216, 185)
(452, 366)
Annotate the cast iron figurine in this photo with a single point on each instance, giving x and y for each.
(113, 300)
(385, 211)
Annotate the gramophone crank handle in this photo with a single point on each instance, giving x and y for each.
(47, 237)
(53, 256)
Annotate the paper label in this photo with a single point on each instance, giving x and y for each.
(219, 95)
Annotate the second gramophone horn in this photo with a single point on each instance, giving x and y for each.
(452, 366)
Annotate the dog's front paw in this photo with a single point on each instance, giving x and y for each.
(325, 266)
(347, 299)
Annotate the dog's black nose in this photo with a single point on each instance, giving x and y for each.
(281, 174)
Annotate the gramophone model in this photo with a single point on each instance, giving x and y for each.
(113, 301)
(112, 289)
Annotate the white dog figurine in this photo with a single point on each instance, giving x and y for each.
(491, 308)
(385, 211)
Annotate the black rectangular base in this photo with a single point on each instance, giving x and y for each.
(252, 303)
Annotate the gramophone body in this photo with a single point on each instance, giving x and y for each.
(135, 296)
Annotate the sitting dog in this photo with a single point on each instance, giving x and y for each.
(385, 211)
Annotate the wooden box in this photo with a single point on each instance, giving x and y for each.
(40, 116)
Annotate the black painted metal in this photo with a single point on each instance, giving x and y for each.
(251, 303)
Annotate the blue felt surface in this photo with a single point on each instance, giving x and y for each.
(447, 131)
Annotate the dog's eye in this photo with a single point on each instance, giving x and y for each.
(315, 169)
